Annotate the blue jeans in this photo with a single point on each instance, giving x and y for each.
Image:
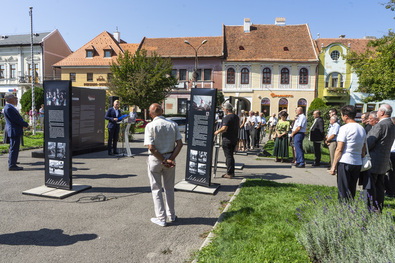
(298, 142)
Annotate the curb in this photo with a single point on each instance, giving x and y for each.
(210, 236)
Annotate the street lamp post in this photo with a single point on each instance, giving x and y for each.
(33, 73)
(196, 57)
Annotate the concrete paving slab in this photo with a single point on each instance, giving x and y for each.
(50, 192)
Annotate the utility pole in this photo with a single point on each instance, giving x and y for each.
(33, 73)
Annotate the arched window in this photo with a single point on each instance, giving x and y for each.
(230, 76)
(303, 76)
(245, 76)
(283, 104)
(265, 106)
(302, 103)
(266, 76)
(285, 76)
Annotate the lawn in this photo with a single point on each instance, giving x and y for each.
(308, 156)
(261, 223)
(29, 141)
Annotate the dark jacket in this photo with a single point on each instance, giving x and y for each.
(317, 130)
(110, 115)
(380, 140)
(14, 121)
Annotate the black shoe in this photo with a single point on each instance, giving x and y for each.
(300, 166)
(15, 168)
(110, 153)
(315, 164)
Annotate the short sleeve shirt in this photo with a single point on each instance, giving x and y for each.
(163, 134)
(353, 136)
(302, 122)
(232, 122)
(333, 130)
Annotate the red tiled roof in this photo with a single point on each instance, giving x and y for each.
(269, 42)
(358, 45)
(99, 44)
(130, 47)
(175, 47)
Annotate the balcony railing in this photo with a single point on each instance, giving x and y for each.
(334, 91)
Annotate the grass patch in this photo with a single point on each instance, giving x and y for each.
(307, 156)
(29, 141)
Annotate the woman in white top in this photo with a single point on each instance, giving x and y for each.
(349, 152)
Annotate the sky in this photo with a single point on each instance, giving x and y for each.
(80, 21)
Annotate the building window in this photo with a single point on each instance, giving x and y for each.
(107, 53)
(245, 73)
(89, 53)
(335, 55)
(12, 71)
(183, 74)
(174, 73)
(359, 109)
(2, 71)
(265, 106)
(35, 72)
(230, 76)
(182, 106)
(198, 74)
(207, 74)
(72, 77)
(89, 76)
(285, 76)
(267, 76)
(370, 107)
(303, 103)
(283, 104)
(303, 76)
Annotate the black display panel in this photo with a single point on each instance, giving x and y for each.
(201, 117)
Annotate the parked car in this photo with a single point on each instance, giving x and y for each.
(140, 123)
(181, 121)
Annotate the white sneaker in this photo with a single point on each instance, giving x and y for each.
(158, 222)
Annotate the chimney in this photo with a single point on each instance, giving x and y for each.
(342, 36)
(370, 37)
(280, 21)
(117, 35)
(247, 25)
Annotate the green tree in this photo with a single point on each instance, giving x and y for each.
(220, 98)
(26, 99)
(141, 79)
(375, 68)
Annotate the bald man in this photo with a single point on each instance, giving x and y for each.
(164, 142)
(112, 116)
(298, 133)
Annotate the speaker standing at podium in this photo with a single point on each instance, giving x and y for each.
(112, 116)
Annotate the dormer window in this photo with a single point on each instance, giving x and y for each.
(107, 53)
(89, 53)
(286, 49)
(241, 48)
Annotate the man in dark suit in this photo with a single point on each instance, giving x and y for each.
(317, 135)
(112, 116)
(15, 124)
(379, 140)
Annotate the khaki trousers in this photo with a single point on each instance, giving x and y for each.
(155, 173)
(332, 148)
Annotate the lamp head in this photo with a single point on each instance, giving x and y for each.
(204, 41)
(187, 42)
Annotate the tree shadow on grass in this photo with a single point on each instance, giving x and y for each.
(43, 237)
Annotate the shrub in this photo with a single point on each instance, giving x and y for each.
(26, 99)
(308, 146)
(334, 231)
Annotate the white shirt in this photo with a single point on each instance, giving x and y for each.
(353, 136)
(273, 121)
(301, 122)
(163, 134)
(393, 149)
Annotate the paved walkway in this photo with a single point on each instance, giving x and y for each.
(111, 221)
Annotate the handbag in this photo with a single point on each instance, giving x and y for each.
(366, 161)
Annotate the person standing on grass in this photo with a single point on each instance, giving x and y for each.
(229, 129)
(331, 138)
(317, 135)
(164, 142)
(15, 124)
(380, 139)
(272, 125)
(281, 149)
(349, 152)
(298, 133)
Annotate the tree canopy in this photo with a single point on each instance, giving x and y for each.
(141, 79)
(375, 68)
(26, 99)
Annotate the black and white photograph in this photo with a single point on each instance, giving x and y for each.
(51, 149)
(202, 103)
(56, 167)
(193, 155)
(202, 168)
(202, 158)
(193, 167)
(61, 150)
(56, 97)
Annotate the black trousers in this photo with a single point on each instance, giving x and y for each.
(14, 151)
(317, 152)
(229, 148)
(390, 178)
(248, 140)
(347, 177)
(113, 134)
(377, 190)
(256, 137)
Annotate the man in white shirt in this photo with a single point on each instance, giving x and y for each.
(272, 125)
(263, 124)
(331, 138)
(164, 142)
(252, 119)
(298, 133)
(257, 127)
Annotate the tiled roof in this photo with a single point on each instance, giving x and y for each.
(131, 47)
(99, 44)
(270, 42)
(10, 40)
(358, 45)
(175, 47)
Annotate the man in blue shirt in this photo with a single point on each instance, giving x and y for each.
(298, 133)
